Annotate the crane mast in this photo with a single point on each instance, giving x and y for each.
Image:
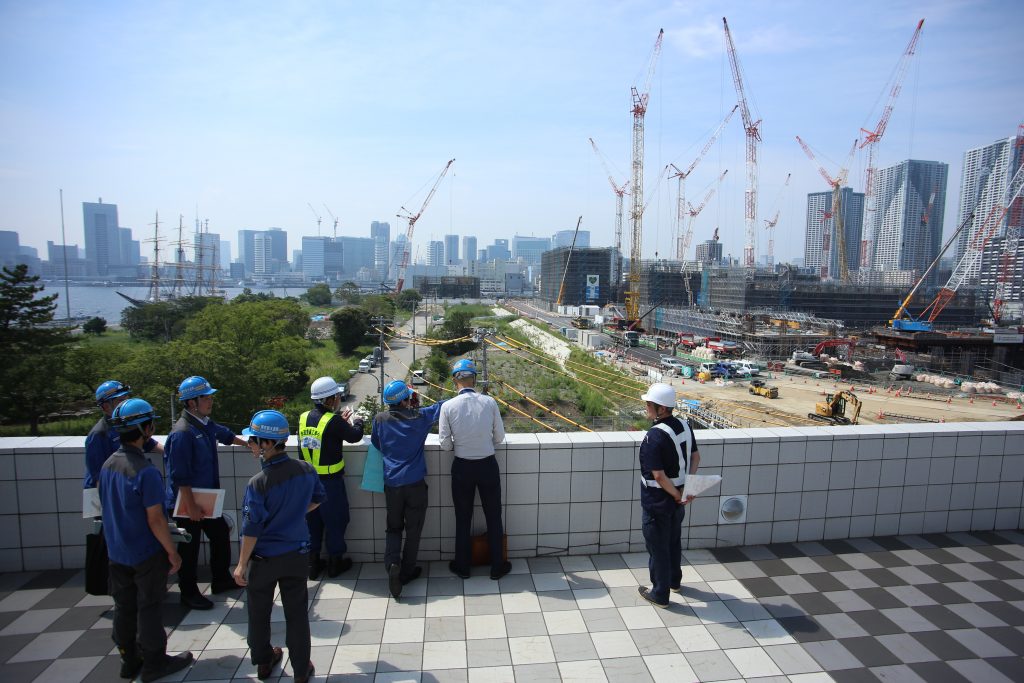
(640, 99)
(770, 224)
(753, 134)
(692, 213)
(835, 215)
(1010, 242)
(620, 192)
(412, 218)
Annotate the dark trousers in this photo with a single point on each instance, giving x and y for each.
(469, 476)
(407, 510)
(662, 532)
(265, 574)
(218, 534)
(138, 593)
(330, 517)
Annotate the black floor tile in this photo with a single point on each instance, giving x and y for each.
(1002, 590)
(816, 603)
(943, 645)
(1013, 616)
(7, 617)
(942, 540)
(762, 587)
(824, 581)
(853, 676)
(839, 547)
(77, 618)
(943, 617)
(61, 597)
(93, 643)
(941, 556)
(890, 543)
(879, 598)
(888, 559)
(940, 573)
(883, 577)
(987, 539)
(832, 563)
(1010, 638)
(104, 672)
(24, 671)
(51, 578)
(12, 645)
(775, 567)
(875, 623)
(938, 671)
(804, 629)
(941, 594)
(870, 652)
(729, 555)
(999, 570)
(1011, 667)
(785, 550)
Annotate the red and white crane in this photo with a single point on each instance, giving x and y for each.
(620, 192)
(412, 218)
(836, 214)
(692, 214)
(640, 100)
(752, 129)
(681, 177)
(770, 223)
(871, 140)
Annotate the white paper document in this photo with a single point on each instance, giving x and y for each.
(697, 484)
(91, 503)
(210, 501)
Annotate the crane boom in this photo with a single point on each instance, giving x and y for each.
(1010, 241)
(331, 214)
(835, 215)
(561, 287)
(770, 224)
(318, 218)
(871, 140)
(640, 100)
(412, 218)
(620, 192)
(753, 134)
(693, 213)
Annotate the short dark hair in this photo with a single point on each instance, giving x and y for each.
(134, 433)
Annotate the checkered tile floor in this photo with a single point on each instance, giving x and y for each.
(947, 607)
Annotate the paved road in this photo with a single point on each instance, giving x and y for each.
(362, 385)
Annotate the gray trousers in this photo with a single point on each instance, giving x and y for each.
(407, 510)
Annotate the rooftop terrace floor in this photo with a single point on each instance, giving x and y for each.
(942, 607)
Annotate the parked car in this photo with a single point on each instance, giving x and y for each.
(749, 365)
(418, 378)
(365, 366)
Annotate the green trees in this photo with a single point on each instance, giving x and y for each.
(32, 379)
(318, 295)
(95, 325)
(350, 327)
(348, 294)
(408, 299)
(163, 320)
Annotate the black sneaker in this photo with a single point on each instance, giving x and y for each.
(131, 663)
(338, 565)
(316, 567)
(165, 667)
(505, 568)
(454, 569)
(676, 589)
(412, 576)
(196, 601)
(645, 593)
(394, 581)
(218, 587)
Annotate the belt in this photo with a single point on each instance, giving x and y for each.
(652, 483)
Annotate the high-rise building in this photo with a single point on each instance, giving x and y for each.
(9, 245)
(997, 266)
(563, 238)
(225, 255)
(907, 220)
(529, 249)
(102, 238)
(313, 253)
(278, 249)
(469, 248)
(357, 253)
(380, 232)
(206, 247)
(56, 253)
(499, 250)
(987, 173)
(396, 253)
(451, 250)
(435, 253)
(247, 249)
(263, 249)
(709, 251)
(819, 219)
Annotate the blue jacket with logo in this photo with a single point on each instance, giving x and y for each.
(100, 444)
(275, 504)
(399, 436)
(128, 484)
(190, 455)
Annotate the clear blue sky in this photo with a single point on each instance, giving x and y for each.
(250, 110)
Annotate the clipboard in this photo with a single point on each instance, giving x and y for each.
(210, 501)
(91, 503)
(697, 484)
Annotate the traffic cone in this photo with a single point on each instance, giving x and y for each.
(942, 419)
(880, 415)
(993, 404)
(971, 400)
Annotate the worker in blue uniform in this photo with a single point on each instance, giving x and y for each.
(275, 545)
(667, 453)
(103, 440)
(139, 546)
(399, 434)
(321, 432)
(190, 461)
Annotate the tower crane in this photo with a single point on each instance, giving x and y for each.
(681, 177)
(640, 99)
(1010, 242)
(837, 215)
(770, 223)
(318, 218)
(752, 129)
(620, 192)
(331, 214)
(561, 287)
(871, 140)
(692, 213)
(412, 218)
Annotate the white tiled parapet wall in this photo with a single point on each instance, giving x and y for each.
(578, 492)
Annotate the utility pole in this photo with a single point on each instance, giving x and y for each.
(380, 320)
(414, 311)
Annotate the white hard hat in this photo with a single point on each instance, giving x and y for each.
(662, 394)
(324, 387)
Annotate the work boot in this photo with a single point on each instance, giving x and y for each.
(196, 601)
(394, 581)
(165, 666)
(131, 662)
(264, 670)
(316, 567)
(338, 564)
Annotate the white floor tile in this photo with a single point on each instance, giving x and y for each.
(636, 560)
(586, 671)
(567, 621)
(444, 655)
(403, 630)
(593, 598)
(46, 646)
(398, 677)
(669, 668)
(479, 585)
(446, 606)
(22, 600)
(554, 581)
(483, 626)
(616, 578)
(33, 621)
(752, 662)
(643, 616)
(693, 638)
(229, 637)
(730, 590)
(492, 674)
(518, 603)
(769, 632)
(531, 650)
(614, 644)
(354, 659)
(714, 612)
(367, 608)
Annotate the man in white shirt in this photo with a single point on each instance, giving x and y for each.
(470, 424)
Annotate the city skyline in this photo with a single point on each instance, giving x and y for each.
(244, 120)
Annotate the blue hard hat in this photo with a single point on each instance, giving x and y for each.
(268, 424)
(395, 392)
(464, 365)
(194, 386)
(130, 413)
(110, 390)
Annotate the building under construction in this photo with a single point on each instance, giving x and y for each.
(587, 280)
(447, 286)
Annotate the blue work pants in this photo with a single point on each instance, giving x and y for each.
(330, 519)
(662, 532)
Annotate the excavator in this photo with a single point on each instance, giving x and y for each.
(833, 409)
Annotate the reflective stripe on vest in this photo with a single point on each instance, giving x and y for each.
(682, 444)
(311, 440)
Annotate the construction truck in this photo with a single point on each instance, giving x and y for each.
(759, 387)
(833, 409)
(582, 322)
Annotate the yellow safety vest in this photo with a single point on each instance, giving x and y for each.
(310, 441)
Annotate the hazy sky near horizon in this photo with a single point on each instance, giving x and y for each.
(243, 113)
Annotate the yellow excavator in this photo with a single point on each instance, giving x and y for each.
(833, 409)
